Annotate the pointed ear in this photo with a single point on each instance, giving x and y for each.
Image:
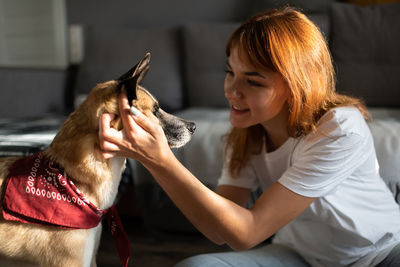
(134, 77)
(131, 86)
(142, 68)
(139, 69)
(128, 74)
(142, 74)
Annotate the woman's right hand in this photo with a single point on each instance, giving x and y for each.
(140, 139)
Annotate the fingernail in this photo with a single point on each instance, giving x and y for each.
(134, 111)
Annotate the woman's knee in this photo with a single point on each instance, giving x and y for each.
(204, 260)
(269, 255)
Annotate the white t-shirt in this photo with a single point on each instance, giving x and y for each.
(354, 220)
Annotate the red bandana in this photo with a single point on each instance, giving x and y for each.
(38, 191)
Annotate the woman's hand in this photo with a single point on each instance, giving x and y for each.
(140, 138)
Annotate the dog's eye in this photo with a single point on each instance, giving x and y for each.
(155, 109)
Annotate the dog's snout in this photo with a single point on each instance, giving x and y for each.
(191, 126)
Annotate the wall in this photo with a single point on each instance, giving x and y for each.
(34, 92)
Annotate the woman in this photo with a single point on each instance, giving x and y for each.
(308, 147)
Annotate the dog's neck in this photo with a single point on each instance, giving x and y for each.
(75, 148)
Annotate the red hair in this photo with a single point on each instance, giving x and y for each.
(287, 42)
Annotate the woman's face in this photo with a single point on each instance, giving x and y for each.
(256, 96)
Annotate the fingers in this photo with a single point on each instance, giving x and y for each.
(107, 155)
(105, 121)
(148, 125)
(124, 109)
(133, 117)
(140, 137)
(109, 137)
(105, 130)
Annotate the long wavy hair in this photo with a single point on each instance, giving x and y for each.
(286, 41)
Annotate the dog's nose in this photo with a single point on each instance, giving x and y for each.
(191, 126)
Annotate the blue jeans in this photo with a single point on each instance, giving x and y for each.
(269, 255)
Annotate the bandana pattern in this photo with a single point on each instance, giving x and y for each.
(38, 191)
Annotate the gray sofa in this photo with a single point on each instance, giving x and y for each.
(187, 74)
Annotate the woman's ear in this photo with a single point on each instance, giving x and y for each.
(290, 102)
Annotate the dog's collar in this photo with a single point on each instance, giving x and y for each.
(38, 191)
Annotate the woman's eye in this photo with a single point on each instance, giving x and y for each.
(229, 72)
(253, 83)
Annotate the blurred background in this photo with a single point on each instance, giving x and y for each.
(52, 52)
(46, 46)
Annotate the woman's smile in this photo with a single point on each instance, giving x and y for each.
(239, 110)
(256, 95)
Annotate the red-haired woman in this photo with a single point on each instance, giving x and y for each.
(308, 147)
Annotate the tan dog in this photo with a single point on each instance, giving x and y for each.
(76, 149)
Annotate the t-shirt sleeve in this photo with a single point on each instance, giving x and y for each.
(324, 163)
(246, 179)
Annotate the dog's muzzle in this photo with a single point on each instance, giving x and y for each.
(191, 126)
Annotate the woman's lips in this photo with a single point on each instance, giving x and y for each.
(239, 110)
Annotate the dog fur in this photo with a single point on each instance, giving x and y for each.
(76, 149)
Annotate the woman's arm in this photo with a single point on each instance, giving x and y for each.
(239, 195)
(222, 220)
(218, 218)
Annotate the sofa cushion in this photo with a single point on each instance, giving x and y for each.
(205, 60)
(323, 23)
(309, 6)
(365, 44)
(203, 155)
(385, 129)
(110, 52)
(31, 92)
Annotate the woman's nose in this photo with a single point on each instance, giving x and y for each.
(232, 93)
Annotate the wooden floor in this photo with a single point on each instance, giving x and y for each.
(153, 249)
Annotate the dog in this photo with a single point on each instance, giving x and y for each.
(76, 149)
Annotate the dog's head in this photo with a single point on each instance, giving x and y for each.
(104, 99)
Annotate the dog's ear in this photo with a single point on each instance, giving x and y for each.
(130, 86)
(142, 68)
(134, 77)
(139, 70)
(128, 74)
